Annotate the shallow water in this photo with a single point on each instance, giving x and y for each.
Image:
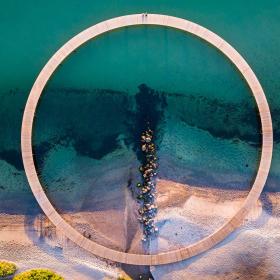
(209, 129)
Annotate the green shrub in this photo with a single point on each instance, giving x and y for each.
(7, 268)
(38, 274)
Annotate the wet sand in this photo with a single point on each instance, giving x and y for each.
(186, 214)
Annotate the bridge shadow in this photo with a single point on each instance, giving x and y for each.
(39, 237)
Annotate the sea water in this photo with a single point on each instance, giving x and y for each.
(209, 130)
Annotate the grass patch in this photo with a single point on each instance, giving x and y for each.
(7, 268)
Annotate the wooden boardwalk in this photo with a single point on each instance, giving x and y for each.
(160, 20)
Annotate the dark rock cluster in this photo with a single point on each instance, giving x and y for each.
(147, 190)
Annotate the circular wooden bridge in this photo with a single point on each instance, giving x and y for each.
(159, 20)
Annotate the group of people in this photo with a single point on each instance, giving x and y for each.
(147, 190)
(144, 15)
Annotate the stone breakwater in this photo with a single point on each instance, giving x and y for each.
(147, 188)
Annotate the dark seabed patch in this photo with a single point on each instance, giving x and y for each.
(12, 157)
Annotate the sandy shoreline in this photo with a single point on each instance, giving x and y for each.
(185, 214)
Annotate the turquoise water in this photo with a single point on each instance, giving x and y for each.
(208, 133)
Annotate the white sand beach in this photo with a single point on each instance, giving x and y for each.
(186, 214)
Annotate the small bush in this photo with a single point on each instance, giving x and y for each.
(38, 274)
(7, 268)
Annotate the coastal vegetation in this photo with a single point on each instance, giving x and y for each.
(121, 277)
(38, 274)
(7, 268)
